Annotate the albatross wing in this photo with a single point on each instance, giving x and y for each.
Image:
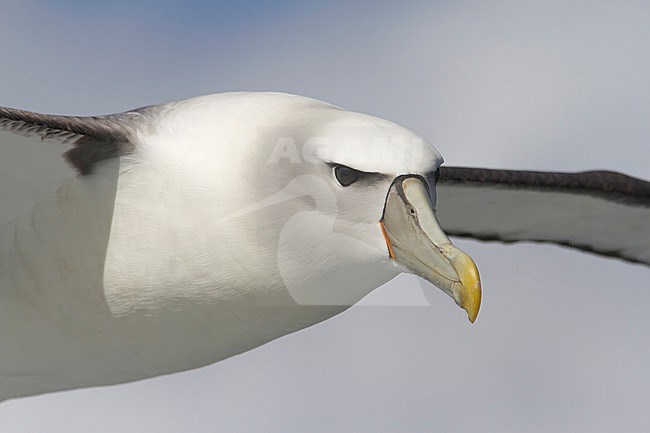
(602, 212)
(54, 233)
(40, 152)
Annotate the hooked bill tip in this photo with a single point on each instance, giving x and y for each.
(470, 292)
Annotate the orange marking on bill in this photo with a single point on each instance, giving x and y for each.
(390, 247)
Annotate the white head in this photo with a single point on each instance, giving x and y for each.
(346, 200)
(284, 198)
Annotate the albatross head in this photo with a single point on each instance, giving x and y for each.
(282, 199)
(365, 195)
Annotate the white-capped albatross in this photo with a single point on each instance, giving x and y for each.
(173, 236)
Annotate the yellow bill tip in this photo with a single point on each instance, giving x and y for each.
(472, 304)
(470, 281)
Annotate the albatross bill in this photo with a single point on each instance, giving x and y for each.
(416, 240)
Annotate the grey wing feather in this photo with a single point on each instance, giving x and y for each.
(603, 212)
(93, 138)
(39, 153)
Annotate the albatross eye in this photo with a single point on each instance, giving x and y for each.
(346, 176)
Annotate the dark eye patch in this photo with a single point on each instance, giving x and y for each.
(345, 175)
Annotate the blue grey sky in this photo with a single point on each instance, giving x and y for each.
(563, 339)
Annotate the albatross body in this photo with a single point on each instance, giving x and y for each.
(174, 236)
(186, 233)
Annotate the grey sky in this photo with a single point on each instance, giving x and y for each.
(563, 339)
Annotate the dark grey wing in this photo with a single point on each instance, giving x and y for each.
(93, 138)
(602, 212)
(39, 152)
